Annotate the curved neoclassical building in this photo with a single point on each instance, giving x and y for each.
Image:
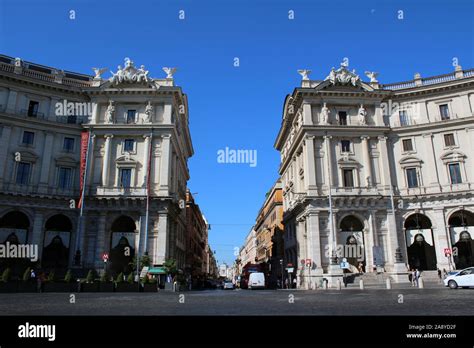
(387, 169)
(129, 134)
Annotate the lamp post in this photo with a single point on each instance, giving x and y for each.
(281, 268)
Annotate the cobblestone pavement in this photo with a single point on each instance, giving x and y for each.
(434, 300)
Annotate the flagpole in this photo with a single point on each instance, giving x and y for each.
(81, 212)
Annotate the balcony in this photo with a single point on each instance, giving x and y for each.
(72, 119)
(121, 191)
(14, 188)
(32, 114)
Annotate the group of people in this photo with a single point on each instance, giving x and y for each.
(414, 276)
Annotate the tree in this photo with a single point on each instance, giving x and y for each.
(90, 276)
(51, 276)
(145, 261)
(27, 274)
(104, 278)
(6, 275)
(130, 278)
(170, 266)
(68, 276)
(119, 278)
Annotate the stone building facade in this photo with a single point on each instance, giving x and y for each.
(135, 182)
(383, 172)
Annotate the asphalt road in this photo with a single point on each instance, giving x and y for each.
(409, 301)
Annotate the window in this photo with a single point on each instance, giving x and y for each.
(407, 145)
(23, 173)
(412, 177)
(342, 118)
(71, 119)
(128, 145)
(449, 140)
(346, 145)
(444, 111)
(28, 138)
(33, 107)
(65, 178)
(131, 116)
(403, 116)
(348, 178)
(68, 144)
(455, 173)
(125, 177)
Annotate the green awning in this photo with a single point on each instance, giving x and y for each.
(157, 270)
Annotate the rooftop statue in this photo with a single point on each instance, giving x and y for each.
(130, 74)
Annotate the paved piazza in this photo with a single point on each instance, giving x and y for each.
(428, 301)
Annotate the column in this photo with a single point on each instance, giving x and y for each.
(46, 162)
(307, 115)
(146, 159)
(440, 237)
(370, 241)
(101, 236)
(52, 110)
(11, 102)
(165, 164)
(4, 145)
(141, 239)
(367, 179)
(385, 177)
(37, 238)
(309, 166)
(314, 250)
(106, 161)
(328, 172)
(95, 113)
(161, 243)
(167, 111)
(301, 249)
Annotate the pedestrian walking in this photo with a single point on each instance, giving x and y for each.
(440, 276)
(286, 283)
(417, 276)
(413, 277)
(294, 283)
(445, 274)
(32, 275)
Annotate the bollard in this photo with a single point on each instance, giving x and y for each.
(361, 284)
(338, 284)
(389, 284)
(420, 283)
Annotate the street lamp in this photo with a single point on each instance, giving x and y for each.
(281, 267)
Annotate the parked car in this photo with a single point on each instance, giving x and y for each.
(463, 278)
(227, 284)
(256, 280)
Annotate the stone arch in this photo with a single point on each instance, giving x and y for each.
(123, 230)
(57, 241)
(420, 241)
(461, 228)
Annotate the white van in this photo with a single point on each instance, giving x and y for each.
(257, 280)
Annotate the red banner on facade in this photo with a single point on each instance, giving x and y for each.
(83, 163)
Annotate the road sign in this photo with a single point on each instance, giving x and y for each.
(447, 251)
(105, 257)
(290, 269)
(308, 262)
(144, 271)
(344, 265)
(289, 265)
(303, 261)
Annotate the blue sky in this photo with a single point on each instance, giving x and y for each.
(240, 107)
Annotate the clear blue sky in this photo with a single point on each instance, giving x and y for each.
(240, 107)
